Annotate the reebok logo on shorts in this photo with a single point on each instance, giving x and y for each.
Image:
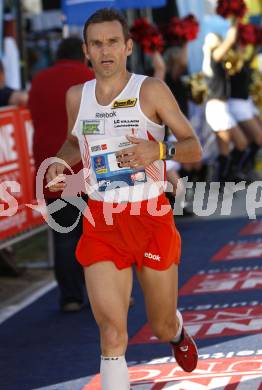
(152, 257)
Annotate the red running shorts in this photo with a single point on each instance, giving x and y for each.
(130, 233)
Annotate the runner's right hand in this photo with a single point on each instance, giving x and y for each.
(55, 177)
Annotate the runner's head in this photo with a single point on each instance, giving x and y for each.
(107, 42)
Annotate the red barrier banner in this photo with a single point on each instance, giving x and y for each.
(27, 128)
(14, 193)
(17, 173)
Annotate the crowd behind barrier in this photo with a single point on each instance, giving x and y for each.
(17, 220)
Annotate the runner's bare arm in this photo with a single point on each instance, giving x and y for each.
(158, 104)
(69, 151)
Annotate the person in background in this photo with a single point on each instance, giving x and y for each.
(158, 69)
(176, 59)
(247, 115)
(48, 111)
(218, 115)
(158, 65)
(10, 96)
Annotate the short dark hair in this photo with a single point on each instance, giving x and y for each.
(107, 15)
(70, 49)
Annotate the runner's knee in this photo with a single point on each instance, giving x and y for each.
(113, 337)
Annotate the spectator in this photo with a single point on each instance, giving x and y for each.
(176, 59)
(10, 96)
(247, 116)
(218, 115)
(176, 66)
(47, 106)
(176, 190)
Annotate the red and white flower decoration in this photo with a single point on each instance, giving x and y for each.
(147, 36)
(179, 31)
(231, 8)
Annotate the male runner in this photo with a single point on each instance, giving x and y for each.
(116, 123)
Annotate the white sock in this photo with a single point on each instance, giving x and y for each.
(179, 331)
(114, 373)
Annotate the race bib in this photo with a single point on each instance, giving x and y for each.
(104, 164)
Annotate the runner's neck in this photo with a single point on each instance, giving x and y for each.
(107, 90)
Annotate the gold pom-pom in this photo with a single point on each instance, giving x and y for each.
(233, 62)
(198, 88)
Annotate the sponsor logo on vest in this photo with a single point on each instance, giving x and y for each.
(96, 148)
(138, 176)
(100, 164)
(92, 127)
(126, 103)
(151, 256)
(105, 114)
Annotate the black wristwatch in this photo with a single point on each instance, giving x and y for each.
(170, 150)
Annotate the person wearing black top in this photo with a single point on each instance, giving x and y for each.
(176, 66)
(218, 116)
(176, 59)
(160, 69)
(246, 114)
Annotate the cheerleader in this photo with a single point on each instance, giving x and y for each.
(218, 115)
(246, 114)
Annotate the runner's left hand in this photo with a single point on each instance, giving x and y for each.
(139, 156)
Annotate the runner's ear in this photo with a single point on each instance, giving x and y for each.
(129, 46)
(84, 47)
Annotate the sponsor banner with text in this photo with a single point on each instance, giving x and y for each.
(222, 374)
(222, 281)
(213, 323)
(252, 228)
(27, 128)
(14, 194)
(16, 172)
(239, 250)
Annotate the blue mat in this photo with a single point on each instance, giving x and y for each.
(40, 346)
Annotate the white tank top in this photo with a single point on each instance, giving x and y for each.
(101, 131)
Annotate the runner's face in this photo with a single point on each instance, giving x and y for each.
(106, 48)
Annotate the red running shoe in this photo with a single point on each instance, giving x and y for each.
(185, 352)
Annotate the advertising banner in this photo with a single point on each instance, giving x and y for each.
(17, 173)
(13, 175)
(26, 126)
